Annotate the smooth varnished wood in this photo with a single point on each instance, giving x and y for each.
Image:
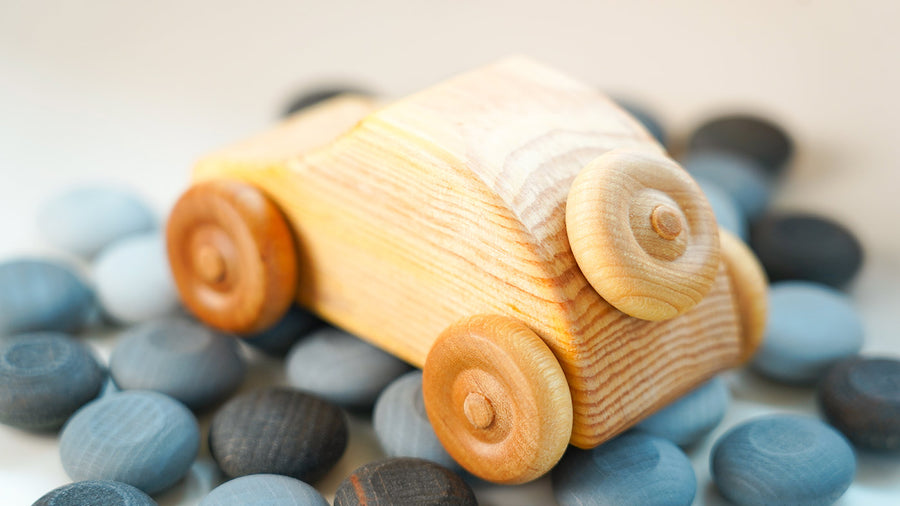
(451, 203)
(642, 233)
(749, 286)
(497, 399)
(232, 255)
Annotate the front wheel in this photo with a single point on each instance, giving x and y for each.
(498, 399)
(232, 255)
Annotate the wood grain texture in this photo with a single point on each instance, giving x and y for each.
(264, 490)
(142, 438)
(497, 399)
(642, 233)
(451, 203)
(178, 357)
(635, 469)
(782, 459)
(232, 255)
(404, 480)
(278, 431)
(95, 493)
(44, 378)
(749, 286)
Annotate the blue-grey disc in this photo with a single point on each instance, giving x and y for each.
(806, 246)
(146, 439)
(691, 417)
(43, 295)
(782, 459)
(810, 327)
(752, 136)
(95, 493)
(861, 398)
(728, 214)
(645, 118)
(85, 220)
(133, 279)
(743, 179)
(277, 341)
(342, 368)
(402, 426)
(44, 378)
(178, 357)
(264, 490)
(633, 469)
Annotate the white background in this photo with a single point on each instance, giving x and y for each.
(133, 92)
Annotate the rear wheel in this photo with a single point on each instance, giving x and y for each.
(750, 286)
(498, 399)
(232, 255)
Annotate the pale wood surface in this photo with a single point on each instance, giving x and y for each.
(451, 203)
(497, 399)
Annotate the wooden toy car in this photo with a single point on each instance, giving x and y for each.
(511, 231)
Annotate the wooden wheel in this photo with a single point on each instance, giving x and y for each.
(498, 399)
(750, 286)
(232, 256)
(643, 234)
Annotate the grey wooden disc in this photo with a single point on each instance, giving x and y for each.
(43, 295)
(691, 417)
(861, 398)
(752, 136)
(402, 426)
(633, 469)
(321, 93)
(403, 481)
(178, 357)
(133, 279)
(342, 368)
(809, 328)
(278, 340)
(146, 439)
(85, 220)
(44, 378)
(264, 490)
(782, 459)
(95, 493)
(278, 431)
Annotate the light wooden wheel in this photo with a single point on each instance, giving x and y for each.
(750, 286)
(642, 233)
(498, 399)
(232, 256)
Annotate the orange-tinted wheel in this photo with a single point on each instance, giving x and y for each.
(232, 256)
(642, 233)
(750, 286)
(498, 399)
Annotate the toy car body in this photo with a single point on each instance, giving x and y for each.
(471, 229)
